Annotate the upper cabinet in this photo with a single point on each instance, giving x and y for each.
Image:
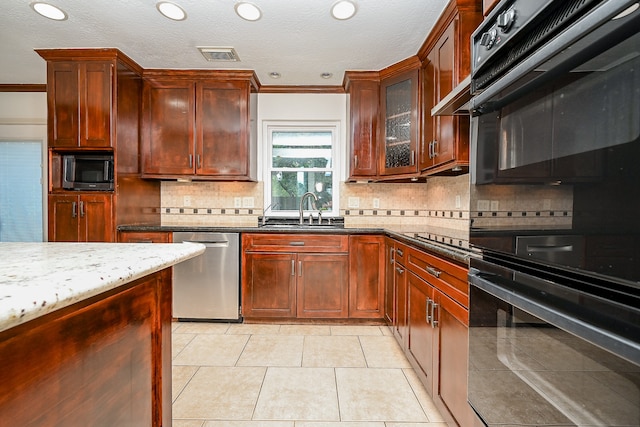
(363, 89)
(199, 125)
(399, 118)
(79, 98)
(445, 55)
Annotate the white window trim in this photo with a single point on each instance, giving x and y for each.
(332, 126)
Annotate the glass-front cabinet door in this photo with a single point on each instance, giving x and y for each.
(399, 101)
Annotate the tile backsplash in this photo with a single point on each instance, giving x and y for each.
(441, 202)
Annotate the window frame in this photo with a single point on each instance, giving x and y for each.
(332, 126)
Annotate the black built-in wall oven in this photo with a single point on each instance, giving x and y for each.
(554, 318)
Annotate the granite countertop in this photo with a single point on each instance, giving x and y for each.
(38, 278)
(444, 242)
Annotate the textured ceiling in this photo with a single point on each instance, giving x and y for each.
(297, 38)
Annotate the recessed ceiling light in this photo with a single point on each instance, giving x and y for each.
(48, 11)
(171, 10)
(343, 9)
(326, 75)
(248, 11)
(274, 75)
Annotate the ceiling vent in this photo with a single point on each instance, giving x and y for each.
(219, 54)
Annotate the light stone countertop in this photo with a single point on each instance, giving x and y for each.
(38, 278)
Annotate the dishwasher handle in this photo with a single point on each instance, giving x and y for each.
(210, 243)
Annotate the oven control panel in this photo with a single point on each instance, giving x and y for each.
(502, 24)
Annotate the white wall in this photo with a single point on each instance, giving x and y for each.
(304, 107)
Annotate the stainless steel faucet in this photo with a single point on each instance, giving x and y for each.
(302, 200)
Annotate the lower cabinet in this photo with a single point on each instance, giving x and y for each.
(295, 276)
(367, 269)
(145, 237)
(430, 322)
(80, 218)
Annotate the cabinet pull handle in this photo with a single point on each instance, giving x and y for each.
(429, 302)
(293, 267)
(198, 161)
(355, 161)
(399, 252)
(81, 209)
(432, 271)
(400, 270)
(434, 310)
(296, 243)
(431, 149)
(74, 206)
(190, 160)
(413, 157)
(300, 268)
(392, 255)
(435, 148)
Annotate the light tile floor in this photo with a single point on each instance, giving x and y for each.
(243, 375)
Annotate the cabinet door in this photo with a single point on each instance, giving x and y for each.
(63, 218)
(439, 132)
(366, 276)
(450, 357)
(168, 128)
(222, 145)
(95, 104)
(95, 218)
(400, 283)
(323, 286)
(389, 291)
(421, 332)
(269, 285)
(144, 237)
(79, 104)
(399, 106)
(364, 102)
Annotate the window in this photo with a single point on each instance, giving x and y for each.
(302, 158)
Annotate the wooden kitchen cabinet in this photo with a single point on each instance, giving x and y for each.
(363, 88)
(295, 276)
(197, 126)
(400, 309)
(445, 55)
(367, 273)
(431, 325)
(268, 285)
(79, 101)
(94, 102)
(145, 237)
(80, 218)
(421, 343)
(399, 119)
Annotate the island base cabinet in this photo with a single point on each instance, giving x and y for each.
(105, 361)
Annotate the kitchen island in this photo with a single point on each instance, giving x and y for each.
(85, 333)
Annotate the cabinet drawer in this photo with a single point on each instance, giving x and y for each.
(446, 276)
(144, 237)
(295, 243)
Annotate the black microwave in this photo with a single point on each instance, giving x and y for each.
(87, 172)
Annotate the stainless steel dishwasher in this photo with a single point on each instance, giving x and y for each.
(208, 287)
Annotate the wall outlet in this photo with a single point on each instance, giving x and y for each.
(247, 202)
(237, 202)
(494, 205)
(354, 202)
(376, 203)
(483, 205)
(186, 201)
